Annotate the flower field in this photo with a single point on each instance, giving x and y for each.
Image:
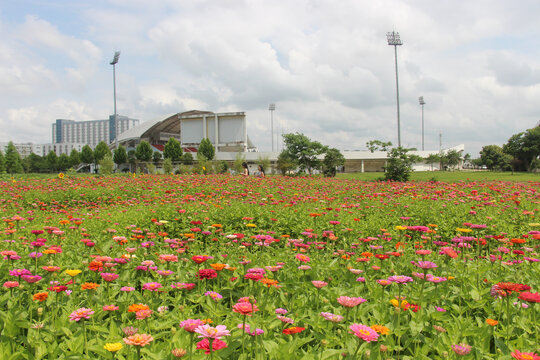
(224, 267)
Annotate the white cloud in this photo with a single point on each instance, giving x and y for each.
(324, 63)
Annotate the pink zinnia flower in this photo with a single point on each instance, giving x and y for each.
(217, 344)
(191, 324)
(319, 284)
(109, 276)
(285, 319)
(138, 339)
(281, 311)
(302, 258)
(350, 301)
(332, 317)
(80, 314)
(207, 331)
(364, 332)
(462, 349)
(143, 314)
(11, 284)
(524, 356)
(110, 308)
(425, 264)
(400, 279)
(247, 329)
(245, 308)
(31, 278)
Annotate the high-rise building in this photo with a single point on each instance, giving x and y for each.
(90, 132)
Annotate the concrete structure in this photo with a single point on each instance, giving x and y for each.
(89, 132)
(226, 131)
(355, 161)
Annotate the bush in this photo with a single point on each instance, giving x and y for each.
(399, 165)
(106, 165)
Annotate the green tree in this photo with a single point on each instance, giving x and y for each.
(492, 156)
(63, 162)
(120, 155)
(173, 150)
(101, 150)
(156, 157)
(285, 163)
(74, 158)
(106, 165)
(52, 161)
(206, 149)
(452, 158)
(87, 155)
(332, 159)
(187, 159)
(237, 164)
(167, 166)
(306, 152)
(524, 147)
(2, 163)
(144, 152)
(399, 164)
(36, 163)
(378, 145)
(432, 159)
(13, 159)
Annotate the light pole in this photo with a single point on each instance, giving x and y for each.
(113, 62)
(422, 102)
(272, 107)
(395, 41)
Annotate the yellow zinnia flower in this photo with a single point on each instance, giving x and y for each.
(113, 347)
(73, 272)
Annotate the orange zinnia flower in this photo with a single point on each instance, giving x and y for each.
(89, 286)
(380, 329)
(42, 296)
(492, 322)
(269, 282)
(218, 267)
(137, 307)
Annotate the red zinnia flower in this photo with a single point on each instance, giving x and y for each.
(206, 274)
(293, 330)
(529, 297)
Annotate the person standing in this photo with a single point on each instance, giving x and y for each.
(246, 169)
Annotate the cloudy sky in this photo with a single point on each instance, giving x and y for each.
(325, 64)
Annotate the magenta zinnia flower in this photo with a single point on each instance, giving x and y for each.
(332, 317)
(207, 331)
(80, 314)
(217, 344)
(350, 301)
(319, 284)
(364, 332)
(152, 286)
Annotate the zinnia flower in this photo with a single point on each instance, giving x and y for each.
(245, 308)
(364, 332)
(80, 314)
(206, 274)
(293, 330)
(491, 322)
(524, 356)
(42, 296)
(332, 317)
(462, 349)
(350, 301)
(138, 339)
(381, 329)
(207, 331)
(114, 347)
(217, 344)
(191, 324)
(529, 297)
(319, 284)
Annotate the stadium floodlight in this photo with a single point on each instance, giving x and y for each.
(113, 62)
(272, 107)
(395, 41)
(422, 103)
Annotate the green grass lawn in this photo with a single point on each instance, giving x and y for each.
(450, 176)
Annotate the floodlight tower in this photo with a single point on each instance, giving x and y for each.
(395, 41)
(272, 107)
(422, 103)
(113, 62)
